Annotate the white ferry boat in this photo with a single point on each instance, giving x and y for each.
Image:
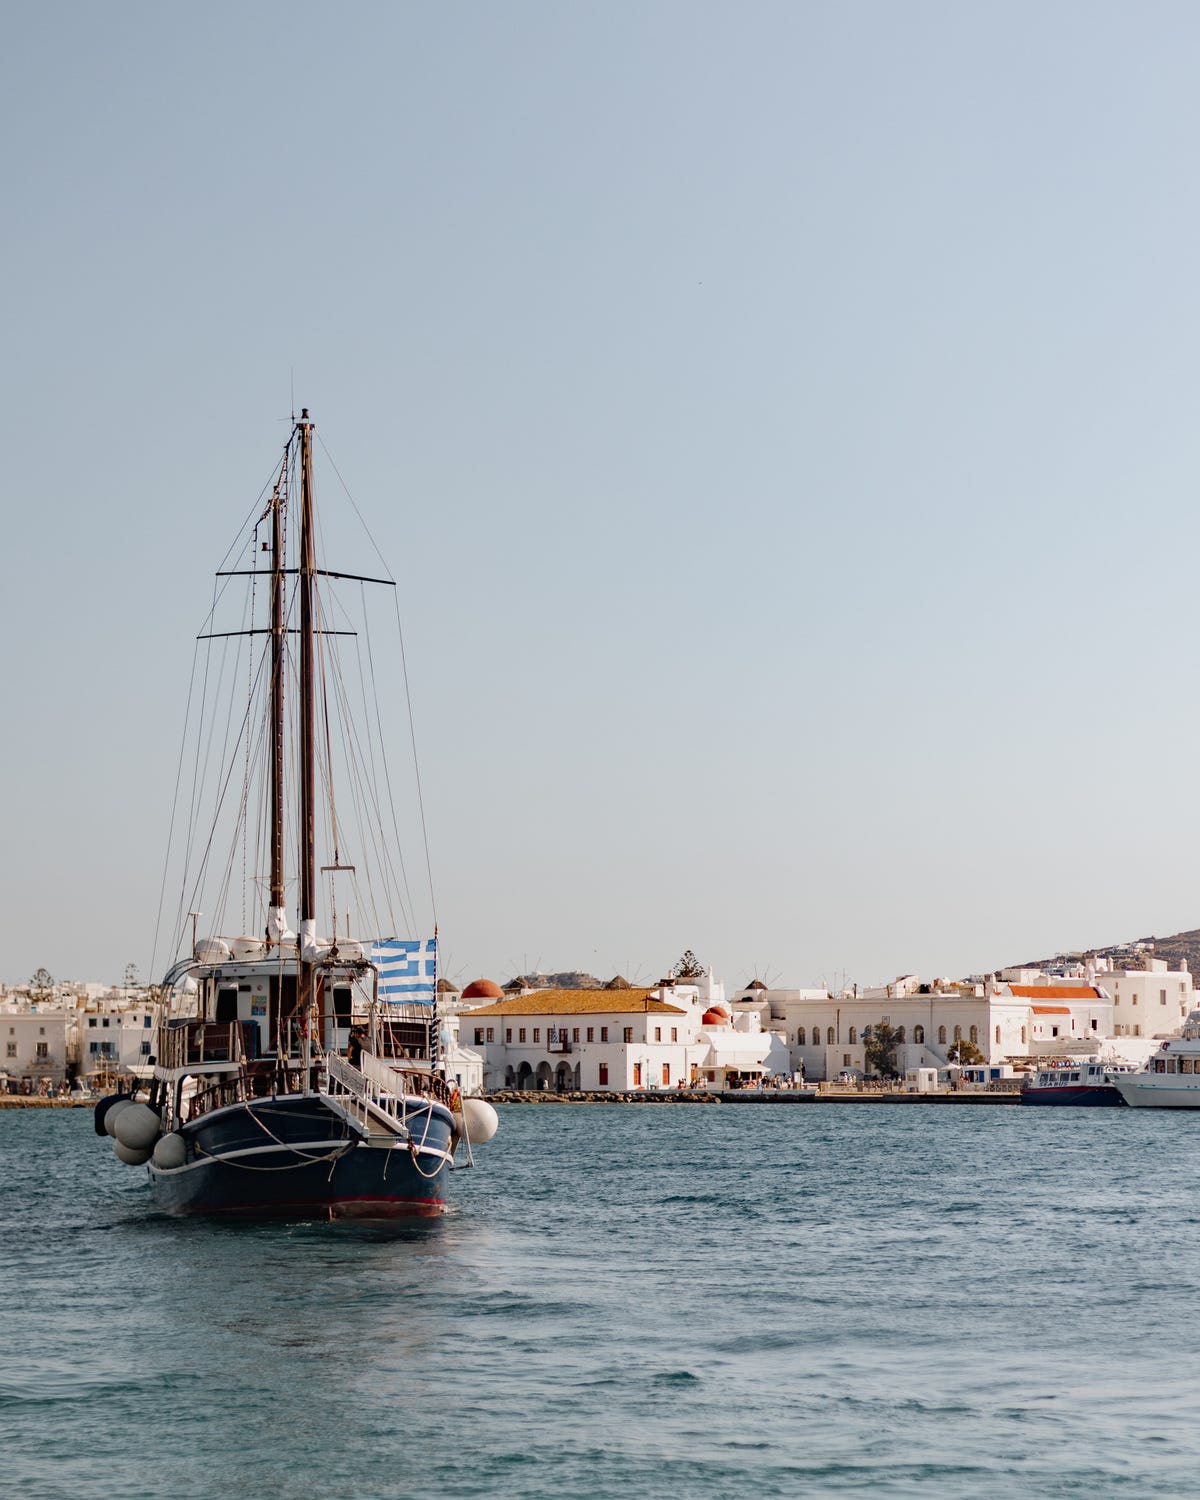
(1171, 1077)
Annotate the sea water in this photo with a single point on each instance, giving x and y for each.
(638, 1300)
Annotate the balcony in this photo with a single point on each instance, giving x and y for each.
(561, 1044)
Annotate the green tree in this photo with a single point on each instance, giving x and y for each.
(880, 1049)
(964, 1052)
(688, 967)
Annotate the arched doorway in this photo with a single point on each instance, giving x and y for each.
(525, 1078)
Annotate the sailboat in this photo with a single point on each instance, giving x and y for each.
(295, 1073)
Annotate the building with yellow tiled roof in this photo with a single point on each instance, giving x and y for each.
(578, 1003)
(620, 1040)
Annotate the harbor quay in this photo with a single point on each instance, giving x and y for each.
(768, 1098)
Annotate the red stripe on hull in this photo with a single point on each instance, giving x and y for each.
(343, 1208)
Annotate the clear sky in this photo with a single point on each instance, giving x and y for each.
(785, 417)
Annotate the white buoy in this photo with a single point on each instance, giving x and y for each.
(130, 1157)
(480, 1119)
(137, 1127)
(113, 1113)
(170, 1152)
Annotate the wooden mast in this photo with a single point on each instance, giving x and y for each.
(277, 726)
(307, 714)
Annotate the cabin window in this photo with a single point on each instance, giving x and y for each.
(603, 1074)
(227, 1006)
(800, 1037)
(853, 1035)
(627, 1034)
(941, 1036)
(1185, 1065)
(1171, 1065)
(918, 1034)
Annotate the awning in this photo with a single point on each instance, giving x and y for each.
(735, 1049)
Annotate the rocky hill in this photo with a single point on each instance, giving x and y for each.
(1179, 947)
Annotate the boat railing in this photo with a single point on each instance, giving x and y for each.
(190, 1043)
(216, 1095)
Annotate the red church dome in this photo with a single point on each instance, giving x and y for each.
(483, 989)
(714, 1017)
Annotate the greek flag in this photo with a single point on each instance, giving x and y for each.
(407, 970)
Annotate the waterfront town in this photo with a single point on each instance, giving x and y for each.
(534, 1035)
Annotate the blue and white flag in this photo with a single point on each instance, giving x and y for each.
(407, 970)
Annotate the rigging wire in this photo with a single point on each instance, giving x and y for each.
(348, 755)
(404, 667)
(162, 891)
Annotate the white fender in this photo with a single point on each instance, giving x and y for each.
(129, 1157)
(480, 1119)
(137, 1127)
(114, 1113)
(170, 1152)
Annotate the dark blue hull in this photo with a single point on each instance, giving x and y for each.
(296, 1157)
(1097, 1096)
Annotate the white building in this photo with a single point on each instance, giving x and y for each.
(828, 1033)
(36, 1049)
(1150, 1002)
(622, 1039)
(114, 1043)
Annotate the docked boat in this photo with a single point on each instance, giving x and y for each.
(1088, 1081)
(1171, 1076)
(296, 1073)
